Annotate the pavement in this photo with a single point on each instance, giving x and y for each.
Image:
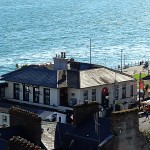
(135, 70)
(144, 123)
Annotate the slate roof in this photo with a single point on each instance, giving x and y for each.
(80, 76)
(83, 136)
(146, 78)
(101, 76)
(73, 79)
(33, 75)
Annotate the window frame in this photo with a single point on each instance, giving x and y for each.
(131, 90)
(36, 94)
(16, 91)
(116, 91)
(26, 92)
(93, 94)
(124, 91)
(46, 96)
(85, 95)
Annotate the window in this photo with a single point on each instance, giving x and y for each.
(123, 90)
(46, 96)
(16, 91)
(4, 118)
(26, 93)
(116, 92)
(93, 94)
(85, 95)
(2, 94)
(131, 87)
(36, 93)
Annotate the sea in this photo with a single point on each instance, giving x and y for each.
(34, 31)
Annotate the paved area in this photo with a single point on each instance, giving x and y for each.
(135, 70)
(48, 134)
(144, 124)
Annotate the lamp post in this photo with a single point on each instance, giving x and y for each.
(124, 62)
(121, 60)
(90, 50)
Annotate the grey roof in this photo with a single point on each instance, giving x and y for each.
(101, 76)
(33, 75)
(146, 78)
(42, 76)
(73, 79)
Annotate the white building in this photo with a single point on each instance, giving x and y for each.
(4, 117)
(66, 83)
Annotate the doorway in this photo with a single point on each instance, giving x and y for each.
(63, 97)
(105, 97)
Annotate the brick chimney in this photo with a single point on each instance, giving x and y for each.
(84, 111)
(29, 121)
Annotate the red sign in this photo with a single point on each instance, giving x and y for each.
(105, 90)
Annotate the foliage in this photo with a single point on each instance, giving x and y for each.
(23, 66)
(117, 106)
(146, 87)
(137, 76)
(146, 133)
(17, 66)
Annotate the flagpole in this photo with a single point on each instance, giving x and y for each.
(139, 90)
(90, 50)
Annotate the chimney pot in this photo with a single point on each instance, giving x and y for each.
(62, 53)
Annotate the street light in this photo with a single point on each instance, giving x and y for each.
(124, 62)
(121, 60)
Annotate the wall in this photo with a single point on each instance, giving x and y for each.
(9, 90)
(19, 143)
(84, 111)
(54, 100)
(4, 122)
(125, 127)
(62, 116)
(29, 121)
(80, 98)
(54, 94)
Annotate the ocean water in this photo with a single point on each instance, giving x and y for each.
(32, 32)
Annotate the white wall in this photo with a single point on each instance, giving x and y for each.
(9, 90)
(54, 97)
(3, 122)
(80, 98)
(61, 117)
(54, 94)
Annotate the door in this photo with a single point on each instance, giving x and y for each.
(63, 97)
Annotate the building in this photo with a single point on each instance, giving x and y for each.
(66, 83)
(4, 117)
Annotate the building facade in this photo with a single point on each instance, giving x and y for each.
(66, 83)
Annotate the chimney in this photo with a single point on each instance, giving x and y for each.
(29, 121)
(60, 62)
(62, 53)
(84, 111)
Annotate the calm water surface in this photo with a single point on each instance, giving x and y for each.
(34, 31)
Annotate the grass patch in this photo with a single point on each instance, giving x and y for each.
(136, 76)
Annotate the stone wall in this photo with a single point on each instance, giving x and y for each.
(18, 143)
(125, 127)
